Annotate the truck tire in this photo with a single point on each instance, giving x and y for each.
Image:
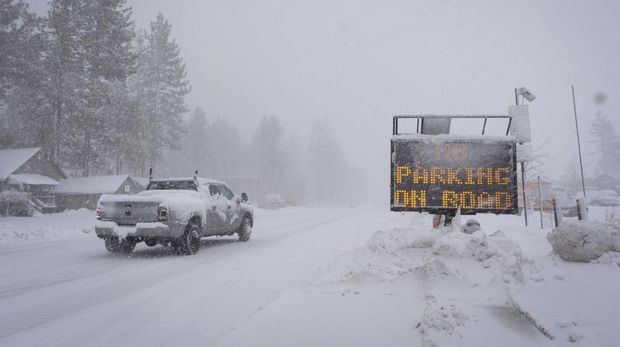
(245, 229)
(189, 243)
(112, 245)
(126, 246)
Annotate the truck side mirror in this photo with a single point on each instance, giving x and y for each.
(244, 197)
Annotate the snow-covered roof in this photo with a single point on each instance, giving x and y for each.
(32, 179)
(12, 159)
(143, 181)
(91, 184)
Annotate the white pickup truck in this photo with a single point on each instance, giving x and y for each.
(174, 212)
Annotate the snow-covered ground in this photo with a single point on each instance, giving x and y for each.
(310, 276)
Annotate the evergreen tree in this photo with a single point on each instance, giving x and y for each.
(225, 150)
(64, 68)
(267, 148)
(163, 85)
(572, 177)
(196, 144)
(23, 106)
(108, 58)
(294, 185)
(137, 85)
(328, 169)
(607, 143)
(125, 125)
(19, 44)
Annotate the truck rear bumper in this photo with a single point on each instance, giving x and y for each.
(106, 229)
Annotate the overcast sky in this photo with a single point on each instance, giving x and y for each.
(359, 62)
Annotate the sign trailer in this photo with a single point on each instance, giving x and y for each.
(440, 173)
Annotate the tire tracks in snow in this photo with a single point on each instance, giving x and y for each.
(90, 272)
(54, 303)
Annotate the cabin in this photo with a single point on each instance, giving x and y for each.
(27, 170)
(84, 192)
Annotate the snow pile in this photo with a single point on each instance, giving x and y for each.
(611, 258)
(584, 241)
(389, 242)
(69, 224)
(390, 254)
(471, 226)
(441, 319)
(477, 246)
(15, 232)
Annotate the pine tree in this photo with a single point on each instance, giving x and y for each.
(19, 48)
(22, 40)
(125, 124)
(293, 184)
(163, 85)
(109, 60)
(137, 85)
(196, 144)
(328, 169)
(64, 68)
(224, 149)
(607, 143)
(267, 148)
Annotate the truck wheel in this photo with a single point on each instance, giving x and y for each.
(126, 246)
(150, 242)
(112, 245)
(245, 229)
(190, 241)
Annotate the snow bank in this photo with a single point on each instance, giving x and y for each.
(441, 319)
(58, 226)
(391, 254)
(584, 241)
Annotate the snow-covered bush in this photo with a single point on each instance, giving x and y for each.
(14, 203)
(584, 241)
(612, 216)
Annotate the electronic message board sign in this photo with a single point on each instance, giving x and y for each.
(439, 173)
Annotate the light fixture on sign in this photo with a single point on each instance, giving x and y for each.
(524, 92)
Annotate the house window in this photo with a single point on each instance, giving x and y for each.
(127, 188)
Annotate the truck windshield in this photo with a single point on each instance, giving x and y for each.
(172, 185)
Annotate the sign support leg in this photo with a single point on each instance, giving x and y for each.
(523, 186)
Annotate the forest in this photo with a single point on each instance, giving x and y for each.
(101, 96)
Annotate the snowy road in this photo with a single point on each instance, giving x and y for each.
(69, 291)
(309, 277)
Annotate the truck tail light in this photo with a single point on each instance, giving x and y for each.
(98, 214)
(162, 214)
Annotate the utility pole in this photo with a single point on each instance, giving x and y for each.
(583, 184)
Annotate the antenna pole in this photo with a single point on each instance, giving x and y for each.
(583, 183)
